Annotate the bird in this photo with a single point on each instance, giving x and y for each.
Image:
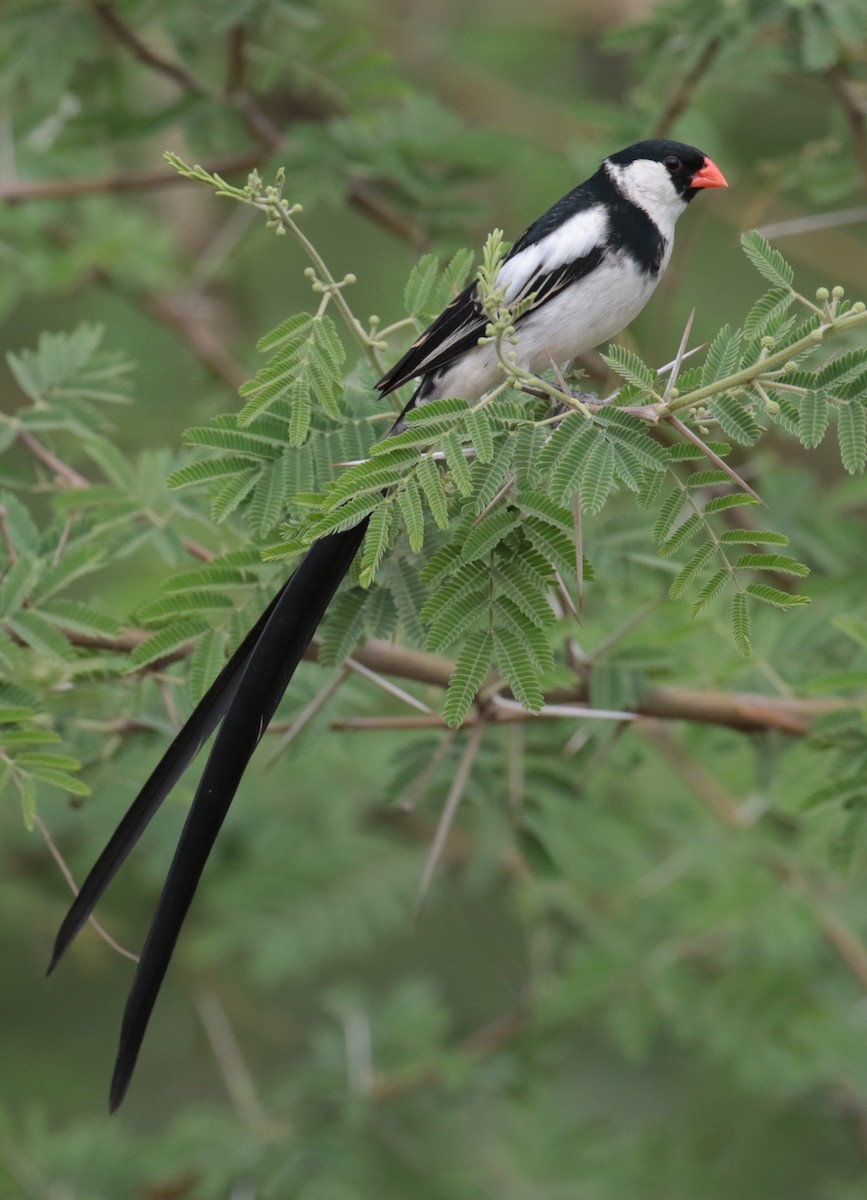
(586, 268)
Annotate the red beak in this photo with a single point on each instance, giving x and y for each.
(708, 175)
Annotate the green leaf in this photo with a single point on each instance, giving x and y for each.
(683, 534)
(457, 463)
(344, 627)
(740, 624)
(409, 501)
(597, 477)
(766, 260)
(40, 635)
(376, 542)
(723, 355)
(487, 532)
(479, 429)
(733, 500)
(418, 288)
(688, 574)
(167, 642)
(428, 475)
(773, 562)
(753, 537)
(735, 419)
(472, 665)
(668, 515)
(812, 419)
(711, 590)
(518, 669)
(489, 478)
(774, 597)
(771, 305)
(630, 367)
(852, 436)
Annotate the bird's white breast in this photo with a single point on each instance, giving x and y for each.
(582, 316)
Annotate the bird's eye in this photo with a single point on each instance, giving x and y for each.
(671, 163)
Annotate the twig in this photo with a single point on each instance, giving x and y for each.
(17, 192)
(68, 876)
(393, 690)
(308, 713)
(418, 786)
(128, 38)
(796, 226)
(841, 85)
(720, 463)
(450, 807)
(681, 99)
(66, 475)
(234, 1070)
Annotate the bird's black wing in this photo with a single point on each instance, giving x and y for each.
(457, 329)
(462, 322)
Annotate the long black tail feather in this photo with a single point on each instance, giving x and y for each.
(201, 724)
(247, 701)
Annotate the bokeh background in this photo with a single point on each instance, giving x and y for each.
(612, 991)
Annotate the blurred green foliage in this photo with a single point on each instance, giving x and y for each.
(641, 970)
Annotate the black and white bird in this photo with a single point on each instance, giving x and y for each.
(591, 263)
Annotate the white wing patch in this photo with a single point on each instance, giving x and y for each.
(573, 239)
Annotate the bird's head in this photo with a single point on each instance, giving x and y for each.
(662, 176)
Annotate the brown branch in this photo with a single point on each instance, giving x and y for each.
(17, 192)
(127, 37)
(682, 98)
(65, 475)
(854, 109)
(68, 876)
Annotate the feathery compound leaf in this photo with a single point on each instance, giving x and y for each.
(735, 500)
(557, 547)
(852, 436)
(420, 284)
(489, 478)
(773, 596)
(538, 504)
(479, 429)
(343, 627)
(683, 534)
(630, 367)
(428, 476)
(206, 471)
(766, 260)
(530, 599)
(466, 604)
(735, 419)
(597, 477)
(452, 280)
(39, 634)
(484, 536)
(766, 309)
(457, 463)
(234, 490)
(783, 563)
(571, 459)
(688, 574)
(528, 442)
(812, 419)
(723, 355)
(376, 542)
(628, 430)
(451, 410)
(740, 623)
(711, 590)
(517, 667)
(669, 514)
(205, 663)
(472, 665)
(754, 537)
(169, 640)
(507, 616)
(409, 502)
(292, 331)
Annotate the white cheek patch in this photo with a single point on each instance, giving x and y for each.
(648, 184)
(572, 240)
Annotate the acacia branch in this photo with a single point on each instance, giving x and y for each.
(682, 98)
